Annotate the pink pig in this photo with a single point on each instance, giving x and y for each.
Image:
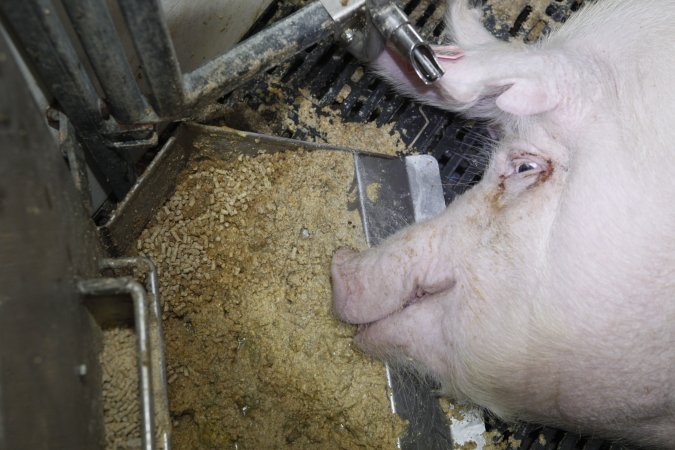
(545, 293)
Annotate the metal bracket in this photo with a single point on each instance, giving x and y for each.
(136, 137)
(342, 10)
(73, 153)
(151, 370)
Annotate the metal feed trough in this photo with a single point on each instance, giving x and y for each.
(76, 119)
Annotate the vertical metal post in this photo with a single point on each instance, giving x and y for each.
(156, 334)
(127, 285)
(98, 36)
(146, 24)
(40, 32)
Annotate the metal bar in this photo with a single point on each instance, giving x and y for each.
(98, 36)
(403, 183)
(127, 285)
(258, 53)
(40, 32)
(75, 157)
(145, 21)
(152, 286)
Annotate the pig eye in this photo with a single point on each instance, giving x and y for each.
(526, 166)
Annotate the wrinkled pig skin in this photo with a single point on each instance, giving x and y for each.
(545, 293)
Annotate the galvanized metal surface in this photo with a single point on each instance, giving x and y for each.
(426, 188)
(413, 398)
(49, 371)
(156, 338)
(99, 38)
(258, 53)
(127, 285)
(145, 198)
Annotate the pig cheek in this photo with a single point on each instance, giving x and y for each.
(415, 337)
(422, 350)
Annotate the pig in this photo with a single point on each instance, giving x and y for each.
(545, 293)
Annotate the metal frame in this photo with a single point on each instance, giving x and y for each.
(116, 119)
(127, 285)
(105, 105)
(49, 342)
(156, 335)
(45, 41)
(151, 368)
(94, 26)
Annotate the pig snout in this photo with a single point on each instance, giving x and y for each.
(347, 291)
(383, 277)
(545, 292)
(395, 293)
(356, 277)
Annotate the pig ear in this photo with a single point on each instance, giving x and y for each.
(526, 97)
(464, 26)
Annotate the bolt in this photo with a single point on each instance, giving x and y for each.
(53, 115)
(81, 370)
(348, 36)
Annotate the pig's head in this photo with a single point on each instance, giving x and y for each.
(546, 291)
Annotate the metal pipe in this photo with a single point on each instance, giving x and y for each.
(42, 34)
(98, 36)
(36, 26)
(394, 25)
(259, 52)
(127, 285)
(152, 286)
(146, 24)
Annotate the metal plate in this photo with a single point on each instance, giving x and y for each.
(396, 206)
(50, 378)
